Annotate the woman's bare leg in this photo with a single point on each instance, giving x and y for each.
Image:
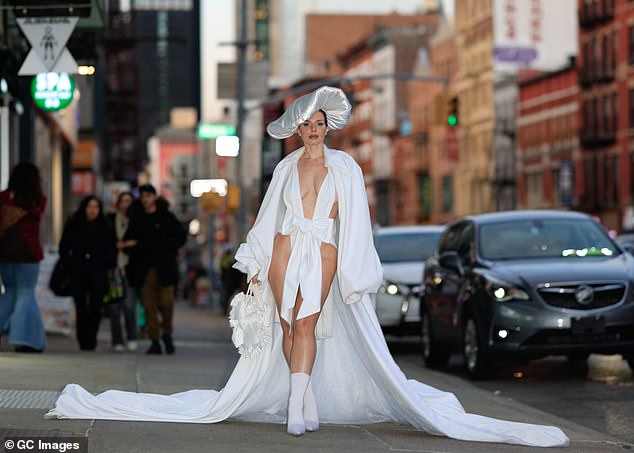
(304, 345)
(329, 266)
(300, 347)
(277, 273)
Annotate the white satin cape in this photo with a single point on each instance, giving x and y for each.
(355, 379)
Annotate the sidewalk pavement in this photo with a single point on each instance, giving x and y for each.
(205, 357)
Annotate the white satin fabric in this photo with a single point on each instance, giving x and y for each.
(355, 379)
(304, 265)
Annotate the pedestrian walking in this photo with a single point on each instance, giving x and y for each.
(157, 236)
(87, 249)
(126, 307)
(21, 208)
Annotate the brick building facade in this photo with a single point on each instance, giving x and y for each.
(549, 159)
(606, 77)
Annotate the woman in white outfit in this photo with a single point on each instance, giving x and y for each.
(303, 265)
(311, 249)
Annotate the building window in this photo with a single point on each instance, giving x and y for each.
(631, 108)
(607, 114)
(425, 195)
(447, 193)
(564, 183)
(611, 179)
(534, 189)
(589, 183)
(586, 57)
(595, 116)
(382, 202)
(605, 55)
(631, 41)
(595, 54)
(615, 112)
(420, 144)
(587, 119)
(614, 53)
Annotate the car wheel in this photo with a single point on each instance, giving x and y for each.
(433, 355)
(475, 360)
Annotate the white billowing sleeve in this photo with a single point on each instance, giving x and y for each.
(254, 256)
(359, 270)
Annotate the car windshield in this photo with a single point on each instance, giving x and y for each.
(403, 247)
(549, 238)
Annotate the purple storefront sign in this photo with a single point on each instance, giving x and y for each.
(522, 55)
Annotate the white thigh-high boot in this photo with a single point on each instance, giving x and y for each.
(295, 422)
(311, 417)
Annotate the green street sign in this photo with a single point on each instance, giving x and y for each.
(52, 91)
(213, 131)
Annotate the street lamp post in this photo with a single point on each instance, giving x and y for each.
(242, 56)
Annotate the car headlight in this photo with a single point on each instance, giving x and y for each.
(502, 291)
(393, 289)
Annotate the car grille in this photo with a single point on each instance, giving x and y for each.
(564, 296)
(565, 337)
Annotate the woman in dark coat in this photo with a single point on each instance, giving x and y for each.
(88, 250)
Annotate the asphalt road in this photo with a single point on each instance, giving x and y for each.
(598, 394)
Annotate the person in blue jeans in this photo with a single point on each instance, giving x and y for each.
(21, 208)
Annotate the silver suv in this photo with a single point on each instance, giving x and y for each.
(403, 252)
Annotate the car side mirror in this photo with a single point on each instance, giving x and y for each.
(451, 261)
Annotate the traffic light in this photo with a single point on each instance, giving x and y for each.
(452, 112)
(210, 202)
(233, 198)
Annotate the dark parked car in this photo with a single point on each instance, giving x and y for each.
(520, 285)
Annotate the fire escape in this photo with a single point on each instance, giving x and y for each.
(123, 150)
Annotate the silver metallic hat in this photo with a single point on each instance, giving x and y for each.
(331, 100)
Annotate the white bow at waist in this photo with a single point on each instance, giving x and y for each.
(320, 229)
(304, 264)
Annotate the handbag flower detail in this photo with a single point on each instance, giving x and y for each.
(251, 321)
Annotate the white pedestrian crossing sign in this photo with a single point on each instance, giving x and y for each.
(48, 37)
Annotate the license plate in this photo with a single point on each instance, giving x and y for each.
(587, 325)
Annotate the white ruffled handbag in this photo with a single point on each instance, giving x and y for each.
(251, 321)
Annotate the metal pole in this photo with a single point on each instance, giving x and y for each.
(242, 55)
(4, 145)
(4, 114)
(211, 232)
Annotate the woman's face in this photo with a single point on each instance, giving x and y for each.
(124, 204)
(313, 130)
(92, 210)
